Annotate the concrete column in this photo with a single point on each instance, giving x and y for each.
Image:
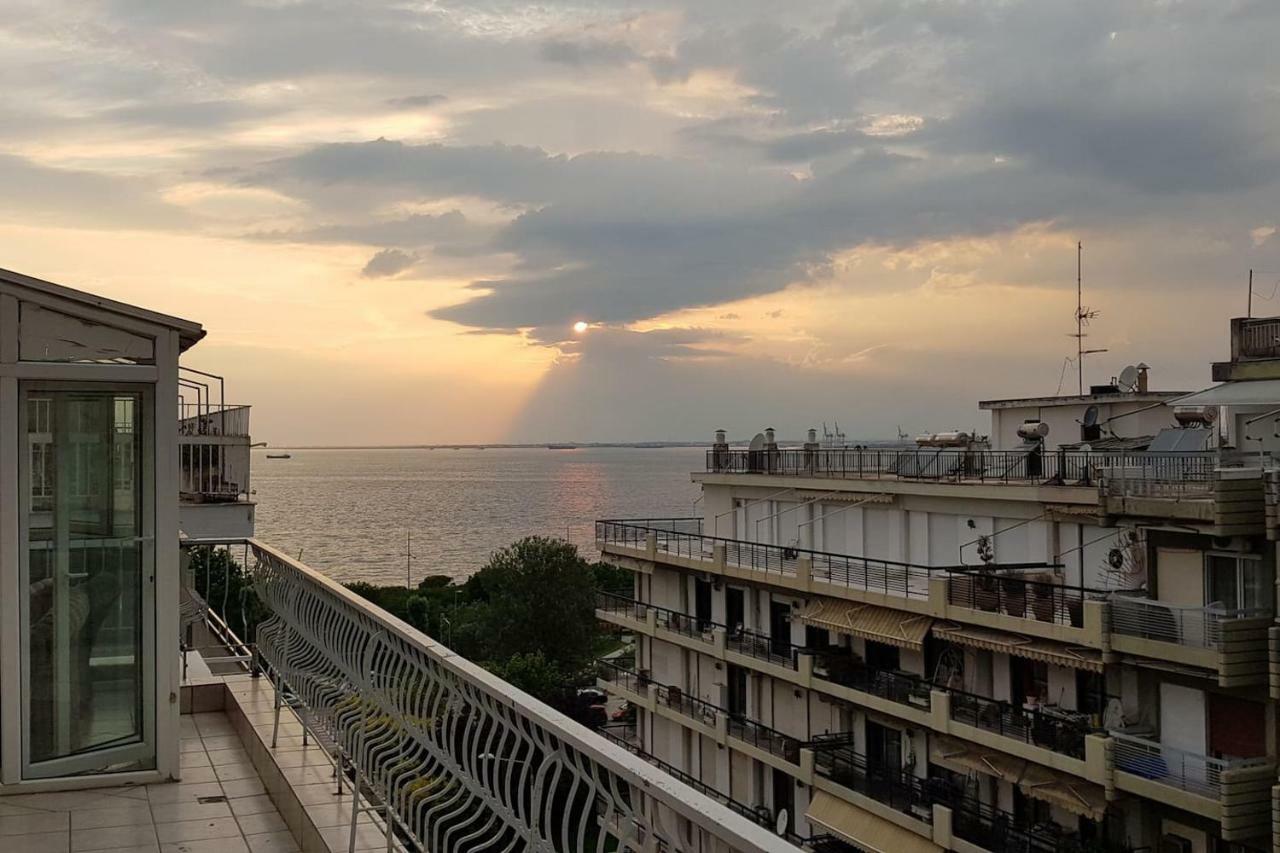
(940, 710)
(938, 596)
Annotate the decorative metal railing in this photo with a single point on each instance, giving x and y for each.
(621, 605)
(1258, 338)
(1177, 768)
(1061, 731)
(458, 759)
(635, 682)
(690, 706)
(765, 738)
(774, 650)
(1000, 831)
(1199, 627)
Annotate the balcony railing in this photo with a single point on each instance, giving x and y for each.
(1019, 596)
(1177, 768)
(212, 419)
(774, 650)
(621, 605)
(690, 706)
(209, 471)
(838, 667)
(1198, 627)
(633, 682)
(765, 738)
(835, 759)
(888, 577)
(453, 753)
(1000, 831)
(1258, 338)
(684, 624)
(1062, 731)
(981, 466)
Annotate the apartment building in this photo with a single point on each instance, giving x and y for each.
(1057, 637)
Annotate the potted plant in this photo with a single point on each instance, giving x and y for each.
(1015, 596)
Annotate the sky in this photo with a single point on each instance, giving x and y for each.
(389, 216)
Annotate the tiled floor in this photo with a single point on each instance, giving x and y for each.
(219, 807)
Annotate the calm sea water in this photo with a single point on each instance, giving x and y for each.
(347, 511)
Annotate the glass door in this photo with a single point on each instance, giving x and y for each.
(87, 607)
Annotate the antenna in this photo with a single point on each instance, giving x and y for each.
(1083, 316)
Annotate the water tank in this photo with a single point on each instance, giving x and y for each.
(1033, 430)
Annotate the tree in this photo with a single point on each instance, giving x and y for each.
(539, 596)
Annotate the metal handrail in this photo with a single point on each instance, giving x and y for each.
(835, 758)
(455, 752)
(1007, 593)
(765, 738)
(839, 668)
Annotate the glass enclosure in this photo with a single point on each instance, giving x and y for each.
(88, 603)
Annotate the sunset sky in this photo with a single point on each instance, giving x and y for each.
(390, 216)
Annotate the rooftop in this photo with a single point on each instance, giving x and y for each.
(1083, 399)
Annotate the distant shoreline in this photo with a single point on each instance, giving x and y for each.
(559, 447)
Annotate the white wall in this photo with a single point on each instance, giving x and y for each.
(1182, 718)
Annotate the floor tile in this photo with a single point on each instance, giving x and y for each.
(42, 842)
(131, 815)
(243, 788)
(194, 775)
(174, 812)
(254, 824)
(251, 805)
(208, 845)
(27, 824)
(175, 792)
(195, 830)
(272, 842)
(104, 838)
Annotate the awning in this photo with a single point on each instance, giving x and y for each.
(1059, 789)
(882, 624)
(1047, 651)
(1258, 392)
(1074, 795)
(864, 829)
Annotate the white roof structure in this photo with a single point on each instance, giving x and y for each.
(1258, 392)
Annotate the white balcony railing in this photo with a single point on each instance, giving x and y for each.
(1198, 627)
(212, 469)
(212, 419)
(458, 758)
(1177, 768)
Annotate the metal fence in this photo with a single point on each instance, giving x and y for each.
(635, 682)
(753, 644)
(690, 706)
(1259, 338)
(1068, 467)
(765, 738)
(1199, 627)
(1061, 731)
(456, 758)
(838, 667)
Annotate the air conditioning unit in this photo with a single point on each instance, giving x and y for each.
(1170, 843)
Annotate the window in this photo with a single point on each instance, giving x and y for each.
(735, 602)
(883, 656)
(884, 751)
(780, 627)
(737, 691)
(1029, 680)
(87, 616)
(702, 604)
(784, 794)
(1237, 582)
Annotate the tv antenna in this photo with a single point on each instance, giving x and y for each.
(1083, 316)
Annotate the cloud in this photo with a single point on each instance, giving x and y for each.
(414, 101)
(586, 52)
(388, 262)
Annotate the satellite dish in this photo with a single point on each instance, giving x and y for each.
(1090, 416)
(757, 443)
(783, 821)
(1129, 378)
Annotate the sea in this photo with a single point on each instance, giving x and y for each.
(355, 514)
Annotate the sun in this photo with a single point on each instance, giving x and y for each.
(581, 326)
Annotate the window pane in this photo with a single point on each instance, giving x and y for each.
(84, 618)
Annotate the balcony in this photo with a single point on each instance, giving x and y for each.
(1057, 730)
(1222, 491)
(681, 542)
(1232, 642)
(1236, 792)
(765, 739)
(839, 668)
(703, 714)
(450, 755)
(999, 831)
(835, 760)
(1022, 597)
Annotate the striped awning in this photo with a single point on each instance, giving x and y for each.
(882, 624)
(1033, 648)
(863, 829)
(1051, 786)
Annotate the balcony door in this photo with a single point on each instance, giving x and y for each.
(87, 580)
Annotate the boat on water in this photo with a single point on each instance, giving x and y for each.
(279, 455)
(562, 447)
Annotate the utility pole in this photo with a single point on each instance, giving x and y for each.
(1249, 313)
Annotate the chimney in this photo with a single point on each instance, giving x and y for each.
(1142, 378)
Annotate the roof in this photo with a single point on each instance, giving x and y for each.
(1081, 399)
(1256, 392)
(189, 331)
